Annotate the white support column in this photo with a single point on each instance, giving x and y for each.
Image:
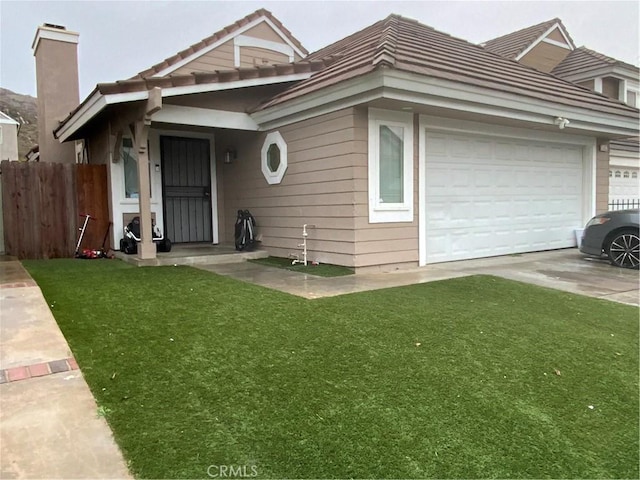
(597, 84)
(622, 90)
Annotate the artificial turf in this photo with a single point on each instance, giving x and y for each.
(474, 377)
(320, 270)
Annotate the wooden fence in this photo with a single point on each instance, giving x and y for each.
(42, 203)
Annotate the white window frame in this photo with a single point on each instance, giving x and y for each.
(274, 178)
(380, 212)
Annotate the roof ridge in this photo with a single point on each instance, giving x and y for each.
(520, 30)
(227, 30)
(385, 52)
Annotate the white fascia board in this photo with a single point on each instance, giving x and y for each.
(435, 123)
(326, 100)
(542, 37)
(441, 93)
(97, 102)
(55, 34)
(91, 108)
(618, 160)
(556, 43)
(204, 117)
(225, 39)
(7, 120)
(246, 41)
(463, 97)
(284, 37)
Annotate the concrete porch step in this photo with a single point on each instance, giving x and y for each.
(195, 255)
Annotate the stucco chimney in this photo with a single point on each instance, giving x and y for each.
(56, 52)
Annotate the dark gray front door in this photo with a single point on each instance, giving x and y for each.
(186, 185)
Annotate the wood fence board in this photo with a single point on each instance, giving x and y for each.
(41, 202)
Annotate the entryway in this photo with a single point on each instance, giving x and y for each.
(186, 186)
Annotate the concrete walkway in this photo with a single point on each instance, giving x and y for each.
(566, 270)
(49, 427)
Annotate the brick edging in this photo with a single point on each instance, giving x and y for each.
(37, 370)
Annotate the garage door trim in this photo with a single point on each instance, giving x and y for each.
(450, 126)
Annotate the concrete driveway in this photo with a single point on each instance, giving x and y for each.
(566, 270)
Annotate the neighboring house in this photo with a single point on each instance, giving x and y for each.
(8, 138)
(400, 145)
(624, 184)
(549, 48)
(33, 155)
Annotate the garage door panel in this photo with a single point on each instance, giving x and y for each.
(488, 197)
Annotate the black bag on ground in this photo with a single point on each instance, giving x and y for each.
(245, 231)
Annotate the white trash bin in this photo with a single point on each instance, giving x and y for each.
(578, 232)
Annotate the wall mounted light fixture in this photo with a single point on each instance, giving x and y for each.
(230, 155)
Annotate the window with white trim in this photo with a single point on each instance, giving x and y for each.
(390, 166)
(130, 165)
(632, 98)
(274, 158)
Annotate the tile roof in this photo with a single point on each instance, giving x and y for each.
(513, 44)
(627, 144)
(205, 42)
(397, 43)
(583, 59)
(407, 45)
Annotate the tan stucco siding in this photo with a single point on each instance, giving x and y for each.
(57, 87)
(317, 188)
(382, 243)
(602, 178)
(544, 57)
(220, 58)
(610, 87)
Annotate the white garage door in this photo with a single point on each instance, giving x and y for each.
(623, 184)
(488, 196)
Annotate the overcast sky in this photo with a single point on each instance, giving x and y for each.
(119, 39)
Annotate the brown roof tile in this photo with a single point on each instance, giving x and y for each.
(583, 59)
(407, 45)
(217, 36)
(513, 44)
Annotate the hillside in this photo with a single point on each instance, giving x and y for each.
(24, 109)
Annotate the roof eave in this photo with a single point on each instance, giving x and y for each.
(97, 101)
(456, 96)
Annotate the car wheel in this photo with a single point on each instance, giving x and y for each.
(624, 249)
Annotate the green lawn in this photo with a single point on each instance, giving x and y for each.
(447, 379)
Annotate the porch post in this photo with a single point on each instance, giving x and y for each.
(146, 249)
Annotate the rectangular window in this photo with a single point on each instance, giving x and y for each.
(390, 166)
(632, 98)
(130, 165)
